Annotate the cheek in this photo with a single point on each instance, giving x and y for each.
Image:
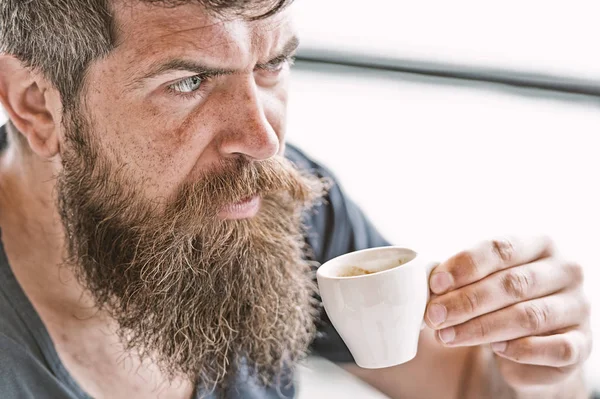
(169, 153)
(157, 142)
(157, 148)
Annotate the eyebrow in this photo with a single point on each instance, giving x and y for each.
(206, 72)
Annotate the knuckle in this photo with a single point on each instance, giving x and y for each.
(466, 263)
(522, 350)
(534, 317)
(482, 328)
(503, 249)
(549, 244)
(586, 305)
(567, 352)
(517, 284)
(470, 301)
(576, 271)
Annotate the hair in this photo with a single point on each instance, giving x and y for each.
(60, 38)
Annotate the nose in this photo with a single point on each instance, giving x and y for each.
(248, 132)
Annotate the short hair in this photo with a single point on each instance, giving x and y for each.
(60, 38)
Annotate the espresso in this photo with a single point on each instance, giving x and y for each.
(354, 271)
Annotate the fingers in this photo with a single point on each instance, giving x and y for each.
(561, 350)
(487, 258)
(526, 375)
(502, 289)
(524, 319)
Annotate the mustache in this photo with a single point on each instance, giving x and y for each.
(233, 181)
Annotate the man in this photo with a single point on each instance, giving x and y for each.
(159, 238)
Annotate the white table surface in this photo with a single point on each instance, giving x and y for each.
(319, 378)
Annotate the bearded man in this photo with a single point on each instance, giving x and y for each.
(159, 239)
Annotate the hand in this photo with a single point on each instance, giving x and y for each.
(519, 296)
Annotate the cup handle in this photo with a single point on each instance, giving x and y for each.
(428, 269)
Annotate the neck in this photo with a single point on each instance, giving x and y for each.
(28, 218)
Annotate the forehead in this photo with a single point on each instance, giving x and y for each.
(146, 32)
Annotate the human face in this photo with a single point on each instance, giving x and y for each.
(146, 190)
(184, 90)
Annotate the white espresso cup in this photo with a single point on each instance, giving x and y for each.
(379, 315)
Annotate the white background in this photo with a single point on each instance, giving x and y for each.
(535, 36)
(440, 165)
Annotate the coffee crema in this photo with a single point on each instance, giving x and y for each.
(354, 271)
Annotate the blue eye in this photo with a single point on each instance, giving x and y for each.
(278, 64)
(187, 85)
(276, 67)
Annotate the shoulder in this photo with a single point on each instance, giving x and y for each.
(328, 213)
(305, 162)
(23, 375)
(14, 354)
(337, 225)
(15, 315)
(24, 371)
(3, 137)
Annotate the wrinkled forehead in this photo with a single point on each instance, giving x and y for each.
(145, 32)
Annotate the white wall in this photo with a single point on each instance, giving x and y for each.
(536, 36)
(440, 167)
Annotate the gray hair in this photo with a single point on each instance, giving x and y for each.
(60, 38)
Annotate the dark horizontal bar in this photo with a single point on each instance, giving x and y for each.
(499, 76)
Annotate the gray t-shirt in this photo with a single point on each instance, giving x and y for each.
(31, 368)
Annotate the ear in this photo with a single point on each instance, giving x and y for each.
(25, 96)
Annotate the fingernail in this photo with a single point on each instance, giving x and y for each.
(499, 347)
(437, 314)
(447, 335)
(440, 282)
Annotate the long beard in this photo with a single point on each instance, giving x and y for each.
(196, 294)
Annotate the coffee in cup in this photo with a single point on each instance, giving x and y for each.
(376, 300)
(353, 270)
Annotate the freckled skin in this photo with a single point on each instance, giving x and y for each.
(164, 139)
(161, 140)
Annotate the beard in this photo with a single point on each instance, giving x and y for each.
(196, 294)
